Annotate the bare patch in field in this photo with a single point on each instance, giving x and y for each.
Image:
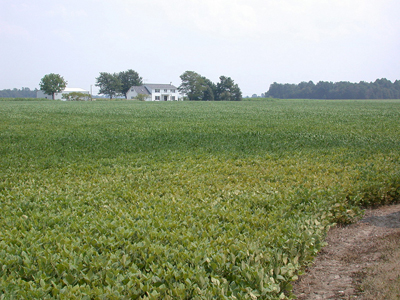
(361, 261)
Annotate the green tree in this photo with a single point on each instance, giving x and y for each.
(128, 79)
(210, 89)
(52, 83)
(227, 90)
(191, 85)
(109, 84)
(197, 87)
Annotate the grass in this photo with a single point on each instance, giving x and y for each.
(183, 200)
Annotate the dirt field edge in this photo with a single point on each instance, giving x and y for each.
(361, 260)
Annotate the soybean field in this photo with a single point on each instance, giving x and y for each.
(183, 200)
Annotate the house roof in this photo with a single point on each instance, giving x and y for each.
(140, 90)
(159, 86)
(74, 90)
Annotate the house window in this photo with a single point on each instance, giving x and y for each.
(172, 91)
(157, 98)
(165, 91)
(156, 90)
(173, 98)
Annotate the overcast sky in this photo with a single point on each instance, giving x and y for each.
(255, 42)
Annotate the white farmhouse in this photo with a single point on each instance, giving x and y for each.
(58, 96)
(155, 92)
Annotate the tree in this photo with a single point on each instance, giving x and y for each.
(192, 85)
(52, 83)
(210, 89)
(128, 79)
(109, 84)
(227, 90)
(197, 87)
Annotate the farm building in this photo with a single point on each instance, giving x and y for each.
(58, 96)
(155, 92)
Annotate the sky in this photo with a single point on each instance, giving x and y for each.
(255, 42)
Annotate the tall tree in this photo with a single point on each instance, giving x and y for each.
(197, 87)
(109, 84)
(192, 85)
(227, 90)
(52, 83)
(210, 89)
(128, 79)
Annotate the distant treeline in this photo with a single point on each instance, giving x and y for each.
(380, 89)
(18, 93)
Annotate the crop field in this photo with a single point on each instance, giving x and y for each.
(183, 200)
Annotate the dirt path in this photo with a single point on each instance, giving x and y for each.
(352, 251)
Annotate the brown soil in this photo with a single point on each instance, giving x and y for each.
(361, 260)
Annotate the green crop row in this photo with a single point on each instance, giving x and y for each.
(212, 200)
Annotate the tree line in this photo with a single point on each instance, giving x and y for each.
(18, 93)
(379, 89)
